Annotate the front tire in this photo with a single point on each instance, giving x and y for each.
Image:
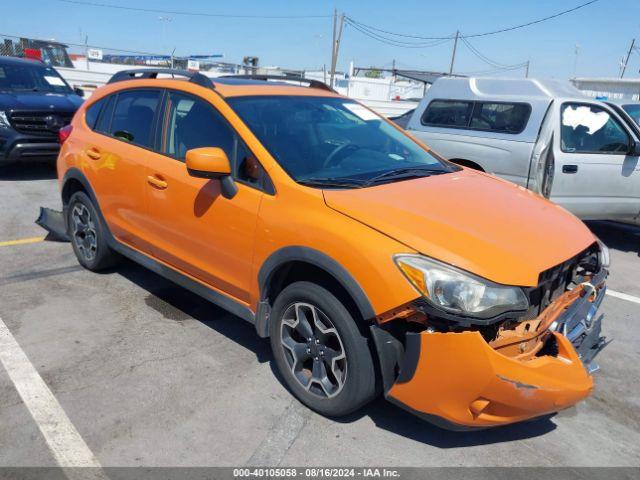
(319, 350)
(88, 235)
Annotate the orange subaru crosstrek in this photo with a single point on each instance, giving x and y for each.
(372, 264)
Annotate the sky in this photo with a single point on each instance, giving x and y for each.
(603, 32)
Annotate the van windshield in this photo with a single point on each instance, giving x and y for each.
(31, 78)
(333, 141)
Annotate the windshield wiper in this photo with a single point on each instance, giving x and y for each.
(404, 173)
(332, 182)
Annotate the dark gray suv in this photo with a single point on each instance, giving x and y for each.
(35, 102)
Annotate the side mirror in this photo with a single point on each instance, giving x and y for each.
(212, 163)
(634, 149)
(78, 91)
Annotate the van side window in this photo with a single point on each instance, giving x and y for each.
(448, 113)
(500, 117)
(590, 129)
(133, 116)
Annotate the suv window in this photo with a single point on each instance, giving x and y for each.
(194, 123)
(449, 113)
(590, 129)
(104, 121)
(92, 112)
(133, 116)
(499, 117)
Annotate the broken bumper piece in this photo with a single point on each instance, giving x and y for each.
(459, 382)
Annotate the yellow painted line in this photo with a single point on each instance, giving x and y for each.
(21, 241)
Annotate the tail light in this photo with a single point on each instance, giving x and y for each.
(64, 133)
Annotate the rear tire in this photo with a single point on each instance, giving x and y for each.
(319, 350)
(88, 235)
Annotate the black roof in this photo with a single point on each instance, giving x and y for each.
(19, 61)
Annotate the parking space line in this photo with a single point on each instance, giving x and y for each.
(21, 241)
(64, 441)
(623, 296)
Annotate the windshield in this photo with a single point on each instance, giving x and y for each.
(334, 140)
(634, 111)
(32, 78)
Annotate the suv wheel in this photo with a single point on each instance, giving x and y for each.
(319, 350)
(87, 234)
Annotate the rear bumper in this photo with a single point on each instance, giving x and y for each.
(458, 381)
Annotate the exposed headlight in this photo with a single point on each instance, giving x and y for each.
(603, 255)
(459, 292)
(4, 121)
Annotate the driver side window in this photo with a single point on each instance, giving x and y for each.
(591, 129)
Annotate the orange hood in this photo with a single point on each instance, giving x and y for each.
(476, 222)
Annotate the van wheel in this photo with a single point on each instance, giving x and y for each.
(87, 234)
(319, 350)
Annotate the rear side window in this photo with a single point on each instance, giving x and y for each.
(133, 116)
(499, 117)
(448, 113)
(92, 113)
(104, 120)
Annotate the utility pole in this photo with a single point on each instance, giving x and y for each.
(453, 55)
(575, 60)
(624, 65)
(337, 35)
(526, 71)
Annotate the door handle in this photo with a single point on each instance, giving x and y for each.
(157, 182)
(570, 169)
(94, 154)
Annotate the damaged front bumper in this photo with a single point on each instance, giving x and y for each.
(459, 381)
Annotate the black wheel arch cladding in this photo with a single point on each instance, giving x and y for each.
(315, 258)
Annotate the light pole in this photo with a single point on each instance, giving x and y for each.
(165, 21)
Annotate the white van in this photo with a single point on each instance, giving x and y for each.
(541, 134)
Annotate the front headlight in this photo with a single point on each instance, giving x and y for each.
(603, 255)
(4, 121)
(459, 292)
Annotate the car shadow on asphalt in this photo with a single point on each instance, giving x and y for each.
(178, 304)
(28, 171)
(617, 236)
(401, 422)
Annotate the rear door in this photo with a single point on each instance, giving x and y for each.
(595, 175)
(195, 229)
(116, 157)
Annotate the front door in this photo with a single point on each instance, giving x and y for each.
(195, 229)
(595, 177)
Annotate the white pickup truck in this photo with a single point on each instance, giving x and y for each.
(544, 135)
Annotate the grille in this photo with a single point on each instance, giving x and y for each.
(46, 123)
(556, 280)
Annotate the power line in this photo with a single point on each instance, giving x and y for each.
(486, 59)
(394, 42)
(483, 34)
(187, 13)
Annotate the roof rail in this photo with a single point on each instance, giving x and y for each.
(282, 78)
(145, 73)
